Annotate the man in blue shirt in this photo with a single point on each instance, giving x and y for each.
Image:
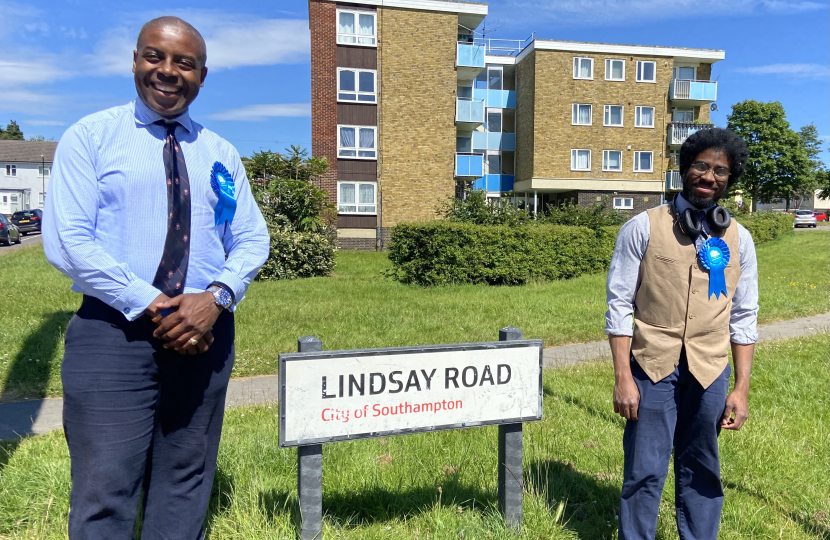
(134, 219)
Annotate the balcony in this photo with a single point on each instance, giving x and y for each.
(688, 92)
(500, 99)
(680, 131)
(469, 60)
(495, 182)
(469, 113)
(673, 180)
(483, 140)
(469, 165)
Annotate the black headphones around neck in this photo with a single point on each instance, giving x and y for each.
(717, 217)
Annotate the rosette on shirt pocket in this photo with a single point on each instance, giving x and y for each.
(222, 183)
(714, 256)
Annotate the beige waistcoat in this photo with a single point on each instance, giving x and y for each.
(672, 305)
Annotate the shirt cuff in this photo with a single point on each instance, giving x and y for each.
(232, 280)
(619, 331)
(742, 338)
(136, 298)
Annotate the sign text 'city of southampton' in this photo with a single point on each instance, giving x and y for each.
(342, 395)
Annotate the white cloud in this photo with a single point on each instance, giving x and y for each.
(27, 102)
(24, 67)
(43, 122)
(258, 113)
(805, 71)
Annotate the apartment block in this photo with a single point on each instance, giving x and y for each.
(407, 121)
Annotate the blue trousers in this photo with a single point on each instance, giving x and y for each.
(676, 412)
(139, 417)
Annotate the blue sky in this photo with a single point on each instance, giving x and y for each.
(63, 59)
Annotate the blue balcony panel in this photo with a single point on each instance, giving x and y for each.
(469, 165)
(469, 110)
(500, 99)
(483, 140)
(688, 90)
(470, 55)
(495, 182)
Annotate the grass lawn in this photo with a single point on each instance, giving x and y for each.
(443, 485)
(357, 307)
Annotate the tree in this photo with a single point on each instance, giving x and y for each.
(12, 132)
(811, 142)
(778, 164)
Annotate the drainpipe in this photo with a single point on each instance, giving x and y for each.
(379, 239)
(535, 211)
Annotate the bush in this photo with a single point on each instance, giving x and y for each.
(476, 209)
(766, 226)
(297, 254)
(444, 252)
(597, 215)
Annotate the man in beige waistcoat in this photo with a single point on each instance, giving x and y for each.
(671, 370)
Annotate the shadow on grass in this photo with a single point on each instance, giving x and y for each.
(817, 525)
(606, 414)
(221, 496)
(7, 448)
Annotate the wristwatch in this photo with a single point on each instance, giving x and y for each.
(221, 296)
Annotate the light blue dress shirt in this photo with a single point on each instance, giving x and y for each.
(105, 221)
(624, 279)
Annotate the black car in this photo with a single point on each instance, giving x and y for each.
(28, 220)
(8, 232)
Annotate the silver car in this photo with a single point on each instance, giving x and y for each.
(804, 218)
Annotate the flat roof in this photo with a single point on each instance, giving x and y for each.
(711, 55)
(452, 6)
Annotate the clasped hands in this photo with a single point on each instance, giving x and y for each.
(187, 329)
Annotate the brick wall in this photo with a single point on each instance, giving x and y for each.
(357, 244)
(322, 19)
(525, 112)
(416, 70)
(704, 73)
(642, 201)
(554, 136)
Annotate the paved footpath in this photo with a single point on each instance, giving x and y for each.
(44, 415)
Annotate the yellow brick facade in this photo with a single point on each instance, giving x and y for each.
(525, 114)
(554, 136)
(417, 86)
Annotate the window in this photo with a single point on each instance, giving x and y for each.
(644, 117)
(612, 160)
(356, 85)
(688, 73)
(683, 115)
(646, 71)
(464, 144)
(493, 164)
(465, 92)
(495, 78)
(11, 170)
(643, 161)
(356, 142)
(613, 116)
(580, 160)
(614, 70)
(356, 28)
(42, 199)
(356, 198)
(42, 171)
(14, 199)
(583, 68)
(494, 120)
(581, 114)
(623, 203)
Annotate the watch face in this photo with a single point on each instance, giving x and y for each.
(223, 297)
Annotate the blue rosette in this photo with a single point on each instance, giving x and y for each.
(714, 256)
(222, 183)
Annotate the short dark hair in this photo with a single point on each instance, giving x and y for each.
(721, 139)
(175, 21)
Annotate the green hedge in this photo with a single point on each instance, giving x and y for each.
(766, 226)
(443, 252)
(298, 254)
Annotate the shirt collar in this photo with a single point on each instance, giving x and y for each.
(145, 116)
(682, 204)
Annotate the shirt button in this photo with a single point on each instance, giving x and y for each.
(694, 291)
(127, 310)
(691, 316)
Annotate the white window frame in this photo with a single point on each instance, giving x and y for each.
(11, 170)
(574, 158)
(577, 60)
(694, 77)
(357, 93)
(357, 13)
(637, 161)
(685, 110)
(605, 154)
(41, 169)
(357, 203)
(620, 203)
(357, 142)
(41, 199)
(608, 70)
(606, 111)
(638, 109)
(642, 62)
(575, 114)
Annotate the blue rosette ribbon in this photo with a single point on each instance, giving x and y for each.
(222, 183)
(714, 256)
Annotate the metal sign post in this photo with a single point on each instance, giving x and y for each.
(309, 468)
(510, 458)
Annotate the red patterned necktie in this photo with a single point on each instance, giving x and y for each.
(172, 271)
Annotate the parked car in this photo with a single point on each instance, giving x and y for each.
(8, 231)
(28, 220)
(804, 218)
(820, 216)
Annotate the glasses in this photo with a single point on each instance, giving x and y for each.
(701, 167)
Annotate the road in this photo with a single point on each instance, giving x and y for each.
(29, 240)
